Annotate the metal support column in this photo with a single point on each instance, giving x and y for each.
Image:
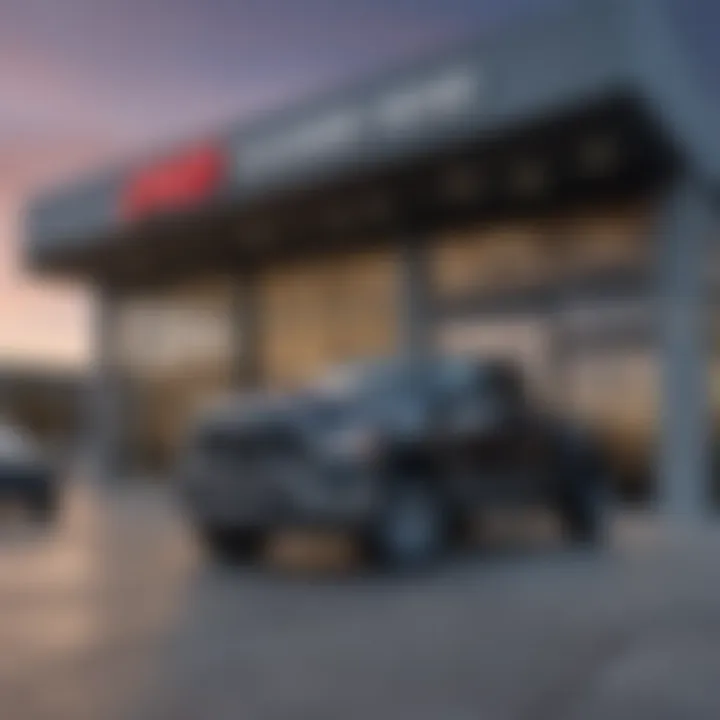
(247, 333)
(684, 471)
(104, 418)
(416, 297)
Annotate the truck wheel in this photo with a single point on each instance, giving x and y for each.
(582, 490)
(583, 513)
(412, 528)
(232, 545)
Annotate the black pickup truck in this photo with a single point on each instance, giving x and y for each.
(402, 453)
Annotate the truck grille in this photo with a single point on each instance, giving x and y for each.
(251, 449)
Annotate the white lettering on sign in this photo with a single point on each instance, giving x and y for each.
(319, 137)
(426, 103)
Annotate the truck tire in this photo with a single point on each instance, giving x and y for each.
(582, 488)
(411, 531)
(232, 545)
(583, 513)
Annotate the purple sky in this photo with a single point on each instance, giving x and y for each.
(104, 74)
(85, 80)
(81, 79)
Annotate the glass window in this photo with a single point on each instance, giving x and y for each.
(524, 341)
(605, 239)
(499, 257)
(176, 351)
(315, 315)
(505, 256)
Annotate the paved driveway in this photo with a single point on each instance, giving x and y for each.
(117, 615)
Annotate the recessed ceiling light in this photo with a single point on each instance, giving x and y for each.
(529, 177)
(461, 183)
(599, 155)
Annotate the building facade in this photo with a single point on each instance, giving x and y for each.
(548, 195)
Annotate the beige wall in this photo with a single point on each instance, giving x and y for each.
(321, 313)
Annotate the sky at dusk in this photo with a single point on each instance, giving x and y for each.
(86, 81)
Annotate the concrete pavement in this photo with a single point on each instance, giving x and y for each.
(116, 614)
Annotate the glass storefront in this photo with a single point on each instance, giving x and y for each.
(317, 314)
(617, 391)
(176, 351)
(531, 291)
(497, 258)
(568, 299)
(595, 242)
(713, 281)
(611, 368)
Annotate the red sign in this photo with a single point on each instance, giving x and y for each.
(180, 182)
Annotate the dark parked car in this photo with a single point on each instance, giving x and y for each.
(402, 452)
(26, 475)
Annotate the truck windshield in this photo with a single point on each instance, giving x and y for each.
(392, 385)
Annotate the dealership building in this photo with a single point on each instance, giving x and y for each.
(547, 194)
